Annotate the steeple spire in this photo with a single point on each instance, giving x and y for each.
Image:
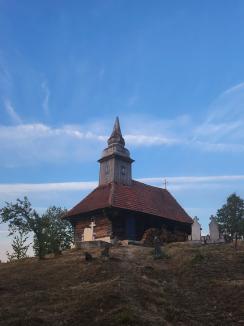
(116, 136)
(115, 163)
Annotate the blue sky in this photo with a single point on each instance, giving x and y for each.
(172, 70)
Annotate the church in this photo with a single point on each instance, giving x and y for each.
(121, 208)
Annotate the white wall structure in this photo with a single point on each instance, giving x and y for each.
(196, 230)
(214, 230)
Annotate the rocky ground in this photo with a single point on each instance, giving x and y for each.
(191, 285)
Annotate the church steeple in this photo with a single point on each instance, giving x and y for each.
(115, 163)
(116, 136)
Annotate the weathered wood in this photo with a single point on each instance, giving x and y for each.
(115, 163)
(102, 229)
(114, 223)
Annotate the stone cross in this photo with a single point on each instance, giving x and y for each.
(92, 226)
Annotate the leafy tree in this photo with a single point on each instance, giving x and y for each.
(40, 236)
(231, 217)
(19, 247)
(51, 233)
(59, 233)
(21, 217)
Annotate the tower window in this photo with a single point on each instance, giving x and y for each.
(123, 170)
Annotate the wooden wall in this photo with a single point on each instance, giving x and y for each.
(115, 223)
(102, 229)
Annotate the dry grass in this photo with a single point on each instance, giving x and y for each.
(194, 286)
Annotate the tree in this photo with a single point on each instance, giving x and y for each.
(51, 233)
(19, 247)
(59, 233)
(231, 217)
(40, 236)
(21, 217)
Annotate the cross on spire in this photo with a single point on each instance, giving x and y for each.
(165, 183)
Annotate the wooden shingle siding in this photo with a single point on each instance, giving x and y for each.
(102, 229)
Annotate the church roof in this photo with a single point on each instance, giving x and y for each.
(137, 197)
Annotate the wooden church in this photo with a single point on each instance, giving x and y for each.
(121, 208)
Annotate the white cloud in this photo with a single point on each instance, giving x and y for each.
(26, 188)
(175, 183)
(147, 140)
(234, 88)
(196, 182)
(11, 112)
(24, 144)
(219, 147)
(221, 131)
(196, 179)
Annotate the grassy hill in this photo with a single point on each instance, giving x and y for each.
(191, 286)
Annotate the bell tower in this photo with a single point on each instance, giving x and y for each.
(115, 163)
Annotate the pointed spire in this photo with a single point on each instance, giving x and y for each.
(116, 136)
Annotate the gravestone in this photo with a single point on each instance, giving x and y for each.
(196, 230)
(214, 230)
(157, 247)
(89, 234)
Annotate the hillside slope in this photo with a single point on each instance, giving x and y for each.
(193, 286)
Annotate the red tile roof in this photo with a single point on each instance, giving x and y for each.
(138, 197)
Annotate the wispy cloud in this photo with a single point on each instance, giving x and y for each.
(196, 182)
(218, 147)
(23, 144)
(234, 88)
(221, 131)
(149, 140)
(175, 183)
(196, 179)
(26, 188)
(11, 112)
(68, 142)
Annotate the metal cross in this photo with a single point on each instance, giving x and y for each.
(165, 183)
